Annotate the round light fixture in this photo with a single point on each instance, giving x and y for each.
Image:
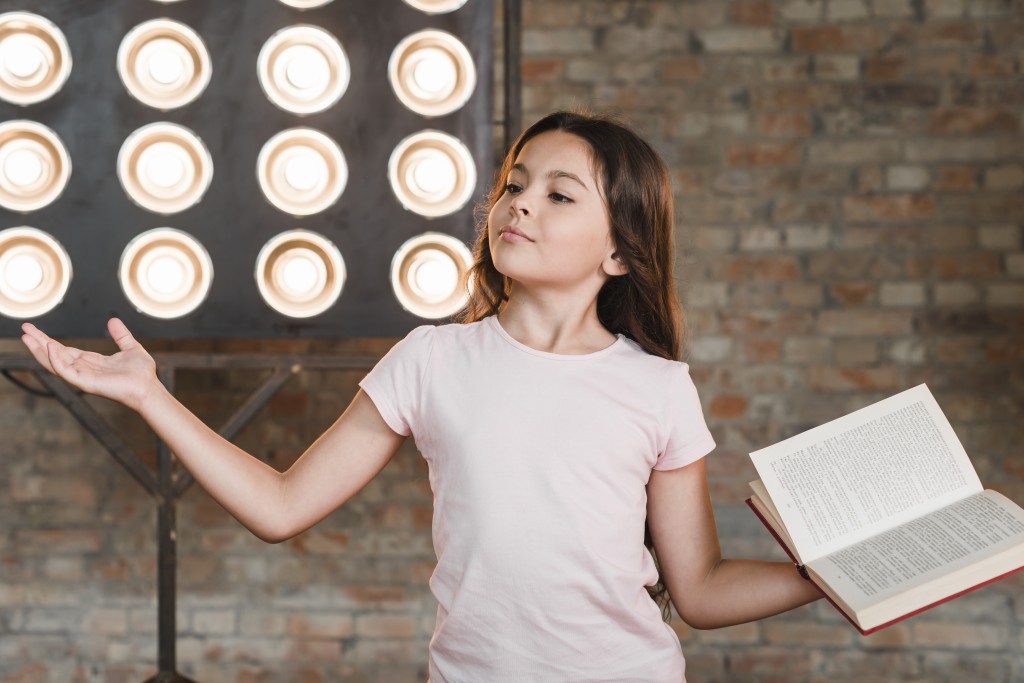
(164, 167)
(428, 275)
(165, 273)
(432, 173)
(432, 73)
(34, 165)
(35, 60)
(436, 6)
(300, 273)
(35, 272)
(303, 69)
(301, 171)
(163, 64)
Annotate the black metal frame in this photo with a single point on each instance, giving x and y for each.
(167, 485)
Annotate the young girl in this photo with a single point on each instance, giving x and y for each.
(555, 421)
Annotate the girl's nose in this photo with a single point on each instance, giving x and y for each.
(518, 206)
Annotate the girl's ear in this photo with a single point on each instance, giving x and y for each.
(617, 267)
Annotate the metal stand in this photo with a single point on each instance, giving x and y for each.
(170, 482)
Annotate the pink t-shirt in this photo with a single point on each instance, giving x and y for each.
(538, 463)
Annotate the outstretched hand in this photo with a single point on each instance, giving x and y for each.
(125, 377)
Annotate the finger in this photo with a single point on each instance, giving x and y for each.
(35, 333)
(60, 359)
(37, 350)
(120, 334)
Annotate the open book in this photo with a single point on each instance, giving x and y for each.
(885, 511)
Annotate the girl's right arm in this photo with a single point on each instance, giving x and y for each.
(275, 506)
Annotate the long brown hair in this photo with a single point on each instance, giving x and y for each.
(641, 304)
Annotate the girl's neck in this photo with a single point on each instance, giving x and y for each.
(563, 332)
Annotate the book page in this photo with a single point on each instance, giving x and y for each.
(866, 472)
(927, 550)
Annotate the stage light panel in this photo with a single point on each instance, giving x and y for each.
(427, 275)
(432, 173)
(302, 171)
(163, 64)
(300, 273)
(303, 69)
(165, 273)
(432, 73)
(34, 166)
(436, 6)
(35, 272)
(233, 168)
(164, 167)
(35, 60)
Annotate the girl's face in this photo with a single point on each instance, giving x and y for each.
(553, 198)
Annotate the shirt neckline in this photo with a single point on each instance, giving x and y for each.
(496, 324)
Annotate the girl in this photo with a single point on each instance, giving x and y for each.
(555, 422)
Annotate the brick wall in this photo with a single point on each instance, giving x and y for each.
(850, 201)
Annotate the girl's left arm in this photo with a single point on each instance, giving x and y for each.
(708, 591)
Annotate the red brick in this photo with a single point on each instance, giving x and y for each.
(761, 267)
(682, 69)
(955, 121)
(885, 68)
(763, 154)
(752, 13)
(981, 65)
(728, 406)
(853, 293)
(784, 124)
(902, 207)
(540, 70)
(806, 634)
(957, 178)
(857, 37)
(865, 323)
(940, 34)
(854, 379)
(385, 626)
(785, 662)
(762, 350)
(965, 636)
(797, 96)
(321, 626)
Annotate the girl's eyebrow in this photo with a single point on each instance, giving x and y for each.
(552, 174)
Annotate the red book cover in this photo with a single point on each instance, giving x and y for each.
(889, 623)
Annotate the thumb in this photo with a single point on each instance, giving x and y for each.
(120, 334)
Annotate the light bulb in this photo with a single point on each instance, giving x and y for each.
(23, 168)
(306, 69)
(21, 56)
(435, 277)
(165, 64)
(165, 274)
(162, 164)
(299, 274)
(24, 273)
(305, 169)
(435, 74)
(434, 174)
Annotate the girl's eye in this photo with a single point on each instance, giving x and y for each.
(559, 198)
(512, 188)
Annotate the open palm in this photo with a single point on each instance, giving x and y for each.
(125, 376)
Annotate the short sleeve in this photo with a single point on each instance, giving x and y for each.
(688, 436)
(395, 382)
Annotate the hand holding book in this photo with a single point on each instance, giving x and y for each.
(885, 511)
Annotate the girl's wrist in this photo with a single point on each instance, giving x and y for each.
(149, 394)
